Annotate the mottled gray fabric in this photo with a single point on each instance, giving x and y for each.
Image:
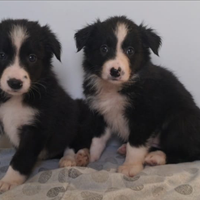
(100, 181)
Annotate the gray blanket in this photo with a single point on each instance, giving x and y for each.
(100, 181)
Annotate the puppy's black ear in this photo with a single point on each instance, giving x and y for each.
(82, 36)
(52, 44)
(150, 38)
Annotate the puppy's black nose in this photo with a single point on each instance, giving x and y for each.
(115, 72)
(15, 83)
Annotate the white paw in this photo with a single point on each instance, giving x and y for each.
(130, 169)
(67, 162)
(155, 158)
(11, 179)
(82, 157)
(5, 186)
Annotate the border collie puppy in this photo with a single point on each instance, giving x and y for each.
(141, 102)
(36, 114)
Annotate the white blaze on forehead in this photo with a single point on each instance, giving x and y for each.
(121, 60)
(121, 32)
(18, 34)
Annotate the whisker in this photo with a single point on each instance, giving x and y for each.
(37, 83)
(35, 89)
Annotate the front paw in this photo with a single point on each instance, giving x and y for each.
(130, 169)
(155, 158)
(67, 162)
(11, 179)
(5, 186)
(82, 157)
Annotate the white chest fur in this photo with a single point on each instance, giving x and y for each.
(111, 104)
(13, 115)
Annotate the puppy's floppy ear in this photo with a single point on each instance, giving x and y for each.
(52, 44)
(150, 39)
(82, 36)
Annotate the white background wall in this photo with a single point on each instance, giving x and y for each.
(177, 22)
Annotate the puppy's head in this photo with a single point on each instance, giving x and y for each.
(116, 48)
(26, 49)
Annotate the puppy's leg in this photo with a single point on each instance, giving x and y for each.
(134, 160)
(31, 144)
(68, 160)
(155, 158)
(98, 145)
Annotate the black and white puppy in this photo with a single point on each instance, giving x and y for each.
(36, 114)
(141, 102)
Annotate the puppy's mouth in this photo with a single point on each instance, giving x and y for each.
(110, 78)
(15, 92)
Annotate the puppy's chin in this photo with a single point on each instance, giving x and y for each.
(116, 81)
(15, 93)
(11, 92)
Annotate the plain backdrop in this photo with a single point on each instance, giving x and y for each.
(178, 23)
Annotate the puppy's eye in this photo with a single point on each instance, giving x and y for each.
(32, 58)
(130, 51)
(104, 49)
(3, 56)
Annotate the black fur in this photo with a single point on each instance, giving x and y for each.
(158, 102)
(90, 123)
